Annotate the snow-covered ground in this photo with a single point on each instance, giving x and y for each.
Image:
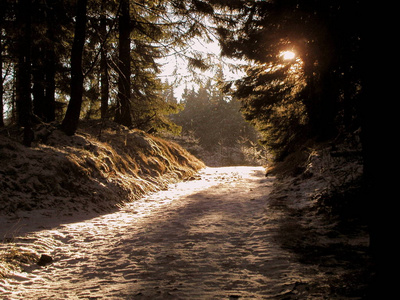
(226, 233)
(209, 238)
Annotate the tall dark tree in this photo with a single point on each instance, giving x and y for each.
(71, 120)
(379, 147)
(50, 66)
(38, 76)
(123, 113)
(23, 74)
(1, 68)
(103, 63)
(44, 60)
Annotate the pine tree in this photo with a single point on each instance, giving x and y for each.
(2, 13)
(23, 99)
(310, 93)
(104, 77)
(71, 119)
(118, 71)
(123, 112)
(213, 118)
(50, 66)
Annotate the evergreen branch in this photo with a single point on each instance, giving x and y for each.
(103, 43)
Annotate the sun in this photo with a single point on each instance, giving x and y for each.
(287, 55)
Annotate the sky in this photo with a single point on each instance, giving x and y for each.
(175, 69)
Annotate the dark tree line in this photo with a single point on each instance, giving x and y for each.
(315, 94)
(86, 58)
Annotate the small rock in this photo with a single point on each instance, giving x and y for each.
(44, 260)
(194, 177)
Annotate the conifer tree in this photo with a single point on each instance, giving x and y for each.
(23, 83)
(315, 93)
(123, 109)
(71, 119)
(213, 118)
(104, 77)
(2, 11)
(122, 43)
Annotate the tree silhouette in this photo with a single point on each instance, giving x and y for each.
(313, 95)
(123, 111)
(23, 80)
(123, 40)
(70, 122)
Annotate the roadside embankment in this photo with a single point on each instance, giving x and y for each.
(102, 166)
(319, 194)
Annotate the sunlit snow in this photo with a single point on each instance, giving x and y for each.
(200, 238)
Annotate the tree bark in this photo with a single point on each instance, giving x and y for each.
(104, 68)
(71, 119)
(49, 110)
(123, 112)
(2, 10)
(1, 79)
(38, 89)
(379, 152)
(23, 74)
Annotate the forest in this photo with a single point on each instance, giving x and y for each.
(307, 78)
(82, 59)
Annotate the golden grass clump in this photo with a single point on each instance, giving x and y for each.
(97, 168)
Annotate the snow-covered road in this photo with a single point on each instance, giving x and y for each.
(208, 238)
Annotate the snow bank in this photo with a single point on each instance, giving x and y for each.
(321, 205)
(102, 166)
(319, 179)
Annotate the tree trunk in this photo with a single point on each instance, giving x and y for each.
(123, 112)
(379, 152)
(38, 89)
(49, 109)
(103, 68)
(23, 84)
(1, 78)
(71, 119)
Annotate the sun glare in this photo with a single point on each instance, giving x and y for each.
(288, 55)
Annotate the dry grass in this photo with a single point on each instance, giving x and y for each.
(13, 258)
(294, 164)
(88, 170)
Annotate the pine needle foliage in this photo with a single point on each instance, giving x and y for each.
(315, 93)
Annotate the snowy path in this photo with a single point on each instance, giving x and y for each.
(203, 239)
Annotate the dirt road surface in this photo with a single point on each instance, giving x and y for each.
(208, 238)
